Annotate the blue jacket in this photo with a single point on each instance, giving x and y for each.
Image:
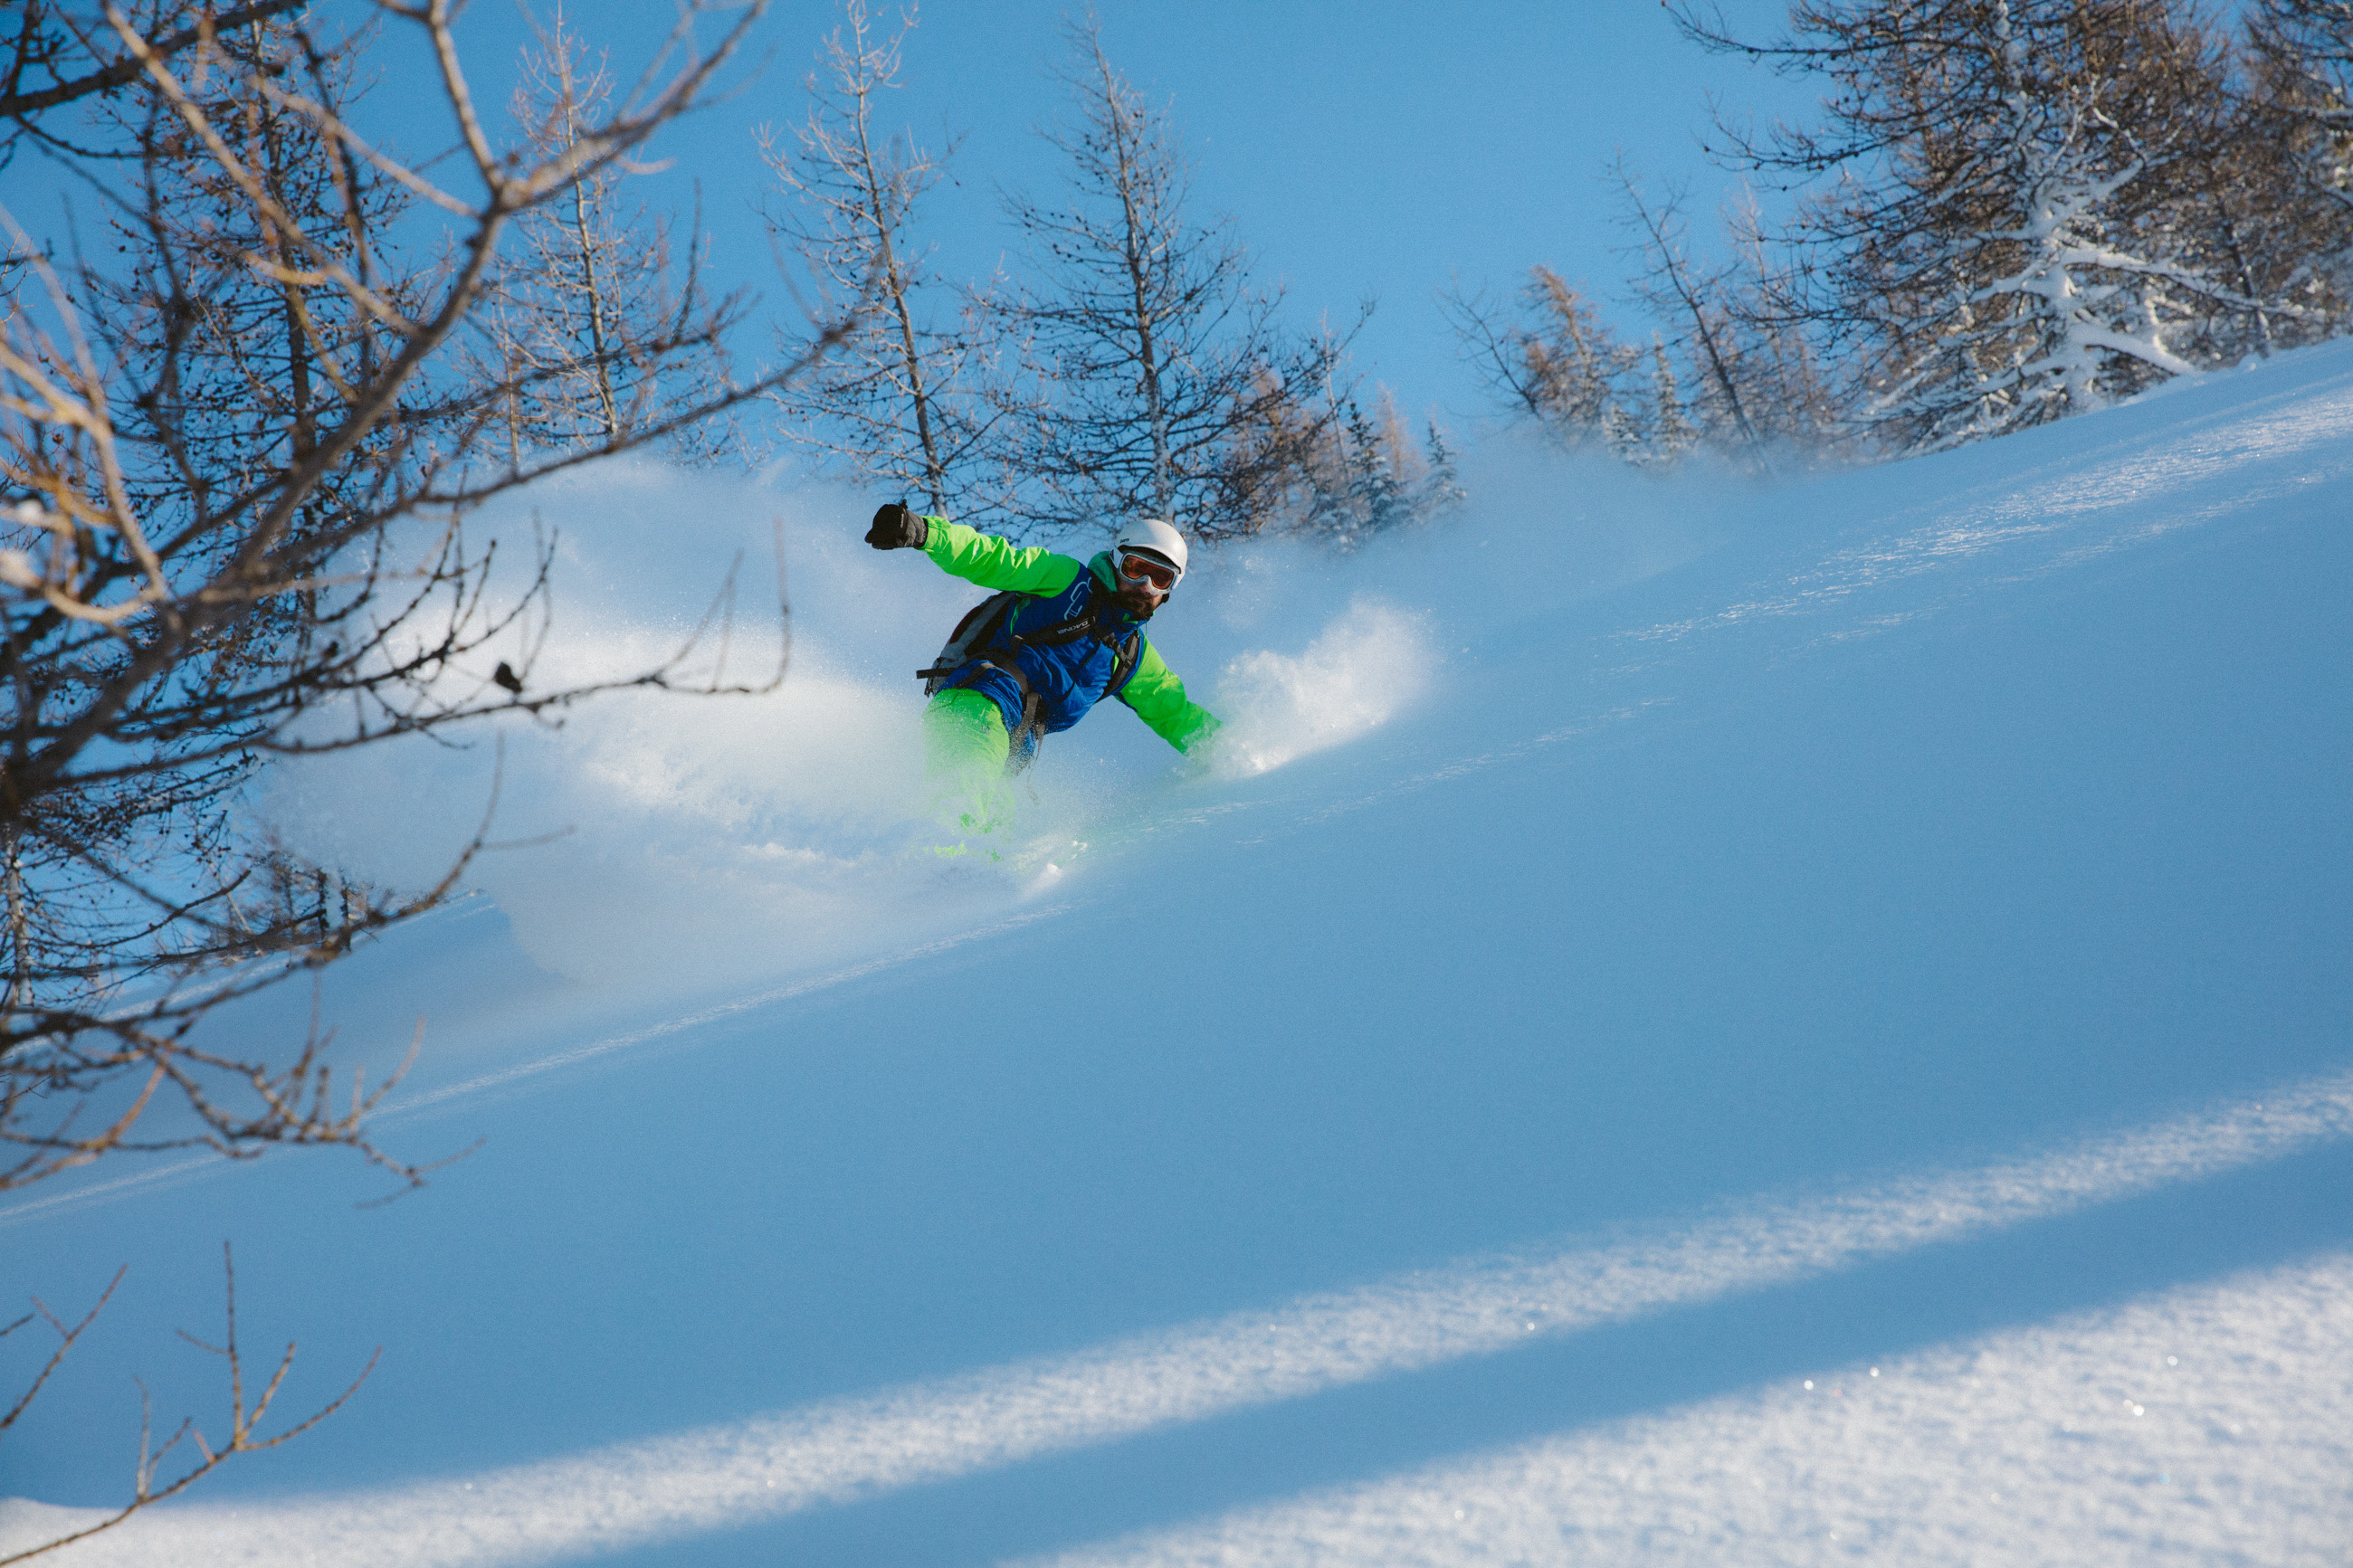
(1070, 678)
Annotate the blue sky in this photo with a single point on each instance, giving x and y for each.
(1362, 150)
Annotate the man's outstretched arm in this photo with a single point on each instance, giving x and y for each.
(992, 563)
(968, 553)
(1159, 699)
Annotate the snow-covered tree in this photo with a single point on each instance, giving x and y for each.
(1442, 489)
(2295, 234)
(1671, 434)
(2010, 231)
(2304, 53)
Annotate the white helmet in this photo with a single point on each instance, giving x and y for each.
(1150, 536)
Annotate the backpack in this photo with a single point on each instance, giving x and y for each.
(982, 633)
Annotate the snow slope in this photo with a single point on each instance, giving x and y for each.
(1703, 1024)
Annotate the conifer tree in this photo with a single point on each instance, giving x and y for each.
(1443, 491)
(1547, 355)
(1379, 489)
(1366, 475)
(1672, 435)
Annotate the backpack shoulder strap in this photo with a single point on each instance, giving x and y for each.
(978, 630)
(1131, 654)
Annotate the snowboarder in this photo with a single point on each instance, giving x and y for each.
(1058, 638)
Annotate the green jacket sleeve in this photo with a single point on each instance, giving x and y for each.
(977, 557)
(1159, 699)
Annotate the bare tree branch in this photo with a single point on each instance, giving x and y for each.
(245, 447)
(243, 1429)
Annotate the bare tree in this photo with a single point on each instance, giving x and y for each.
(585, 328)
(1159, 382)
(244, 449)
(896, 402)
(62, 55)
(1694, 300)
(248, 453)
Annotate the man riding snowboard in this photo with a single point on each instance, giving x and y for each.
(1056, 639)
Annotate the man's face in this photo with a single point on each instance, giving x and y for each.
(1138, 593)
(1138, 598)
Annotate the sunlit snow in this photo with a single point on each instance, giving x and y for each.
(1693, 1022)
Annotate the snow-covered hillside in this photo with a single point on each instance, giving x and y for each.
(1700, 1024)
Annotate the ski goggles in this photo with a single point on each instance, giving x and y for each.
(1144, 569)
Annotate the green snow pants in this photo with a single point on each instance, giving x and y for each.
(964, 747)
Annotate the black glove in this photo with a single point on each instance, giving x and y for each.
(896, 527)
